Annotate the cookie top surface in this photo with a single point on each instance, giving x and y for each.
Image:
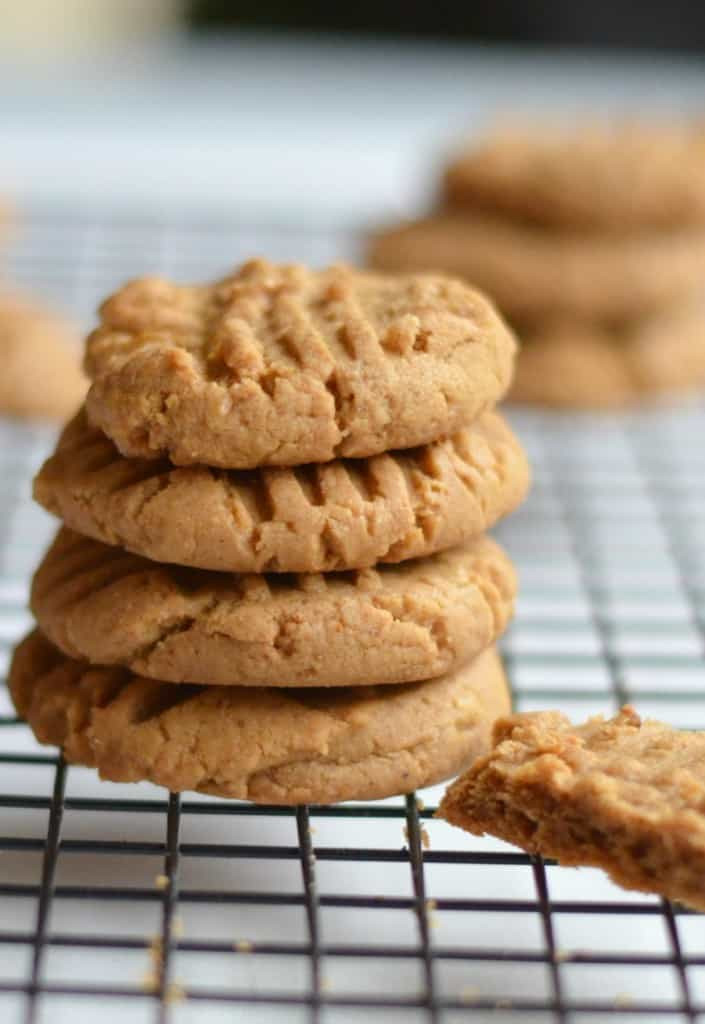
(582, 365)
(41, 374)
(390, 625)
(270, 746)
(344, 514)
(533, 274)
(622, 794)
(605, 178)
(280, 365)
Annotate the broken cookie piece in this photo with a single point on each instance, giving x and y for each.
(622, 794)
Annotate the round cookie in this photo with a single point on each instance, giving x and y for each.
(667, 352)
(269, 746)
(578, 365)
(280, 365)
(416, 620)
(533, 274)
(41, 375)
(572, 366)
(345, 514)
(608, 178)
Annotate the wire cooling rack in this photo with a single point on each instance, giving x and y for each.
(135, 905)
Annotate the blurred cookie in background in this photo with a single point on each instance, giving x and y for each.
(591, 240)
(41, 372)
(534, 273)
(582, 365)
(607, 177)
(572, 366)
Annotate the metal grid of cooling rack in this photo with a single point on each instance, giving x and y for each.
(127, 902)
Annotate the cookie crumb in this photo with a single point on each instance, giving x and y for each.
(420, 805)
(151, 977)
(503, 1004)
(423, 833)
(149, 982)
(161, 881)
(469, 994)
(175, 993)
(623, 999)
(242, 946)
(560, 956)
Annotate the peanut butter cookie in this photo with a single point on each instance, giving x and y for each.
(624, 795)
(534, 274)
(280, 365)
(578, 365)
(393, 624)
(265, 745)
(345, 514)
(41, 373)
(610, 177)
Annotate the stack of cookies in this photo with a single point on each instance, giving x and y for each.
(273, 580)
(593, 245)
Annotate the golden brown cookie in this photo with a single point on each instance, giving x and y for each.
(624, 795)
(265, 745)
(345, 514)
(576, 365)
(573, 366)
(533, 274)
(280, 365)
(41, 375)
(611, 177)
(394, 624)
